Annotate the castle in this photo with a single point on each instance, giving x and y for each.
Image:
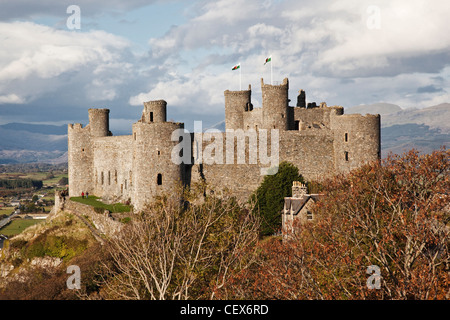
(320, 140)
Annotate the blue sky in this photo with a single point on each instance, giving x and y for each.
(127, 52)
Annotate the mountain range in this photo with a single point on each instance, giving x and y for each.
(424, 129)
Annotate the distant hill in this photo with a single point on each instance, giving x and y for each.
(36, 128)
(376, 108)
(22, 143)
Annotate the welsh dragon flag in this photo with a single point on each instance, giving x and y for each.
(268, 60)
(236, 67)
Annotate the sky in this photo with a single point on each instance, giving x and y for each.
(59, 58)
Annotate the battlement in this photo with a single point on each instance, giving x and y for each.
(75, 126)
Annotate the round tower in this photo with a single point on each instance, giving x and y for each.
(356, 140)
(155, 111)
(236, 103)
(154, 172)
(99, 122)
(275, 105)
(80, 160)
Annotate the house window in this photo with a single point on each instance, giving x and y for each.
(346, 137)
(159, 179)
(151, 116)
(346, 155)
(309, 215)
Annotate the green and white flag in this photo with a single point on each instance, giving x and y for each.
(268, 60)
(236, 67)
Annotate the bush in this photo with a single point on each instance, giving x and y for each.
(269, 196)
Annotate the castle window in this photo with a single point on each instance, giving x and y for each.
(115, 176)
(109, 177)
(346, 137)
(151, 116)
(159, 179)
(159, 153)
(103, 178)
(125, 184)
(346, 155)
(297, 125)
(134, 136)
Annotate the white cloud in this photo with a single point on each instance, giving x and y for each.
(35, 59)
(11, 98)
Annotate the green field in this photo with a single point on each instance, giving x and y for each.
(94, 202)
(18, 225)
(6, 210)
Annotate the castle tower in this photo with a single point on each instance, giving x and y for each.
(154, 171)
(356, 140)
(275, 105)
(155, 111)
(99, 122)
(236, 103)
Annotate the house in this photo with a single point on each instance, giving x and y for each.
(298, 208)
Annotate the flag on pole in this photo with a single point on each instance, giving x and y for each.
(236, 67)
(268, 60)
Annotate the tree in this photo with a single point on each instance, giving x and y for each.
(269, 197)
(393, 215)
(173, 253)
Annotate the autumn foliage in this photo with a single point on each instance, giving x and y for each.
(393, 214)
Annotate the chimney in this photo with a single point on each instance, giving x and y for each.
(298, 189)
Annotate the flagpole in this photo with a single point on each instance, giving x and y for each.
(271, 66)
(240, 77)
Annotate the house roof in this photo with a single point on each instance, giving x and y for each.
(295, 205)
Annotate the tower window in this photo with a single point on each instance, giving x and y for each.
(346, 137)
(151, 116)
(134, 136)
(346, 155)
(159, 179)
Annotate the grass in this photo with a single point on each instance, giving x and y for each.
(94, 202)
(6, 210)
(18, 225)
